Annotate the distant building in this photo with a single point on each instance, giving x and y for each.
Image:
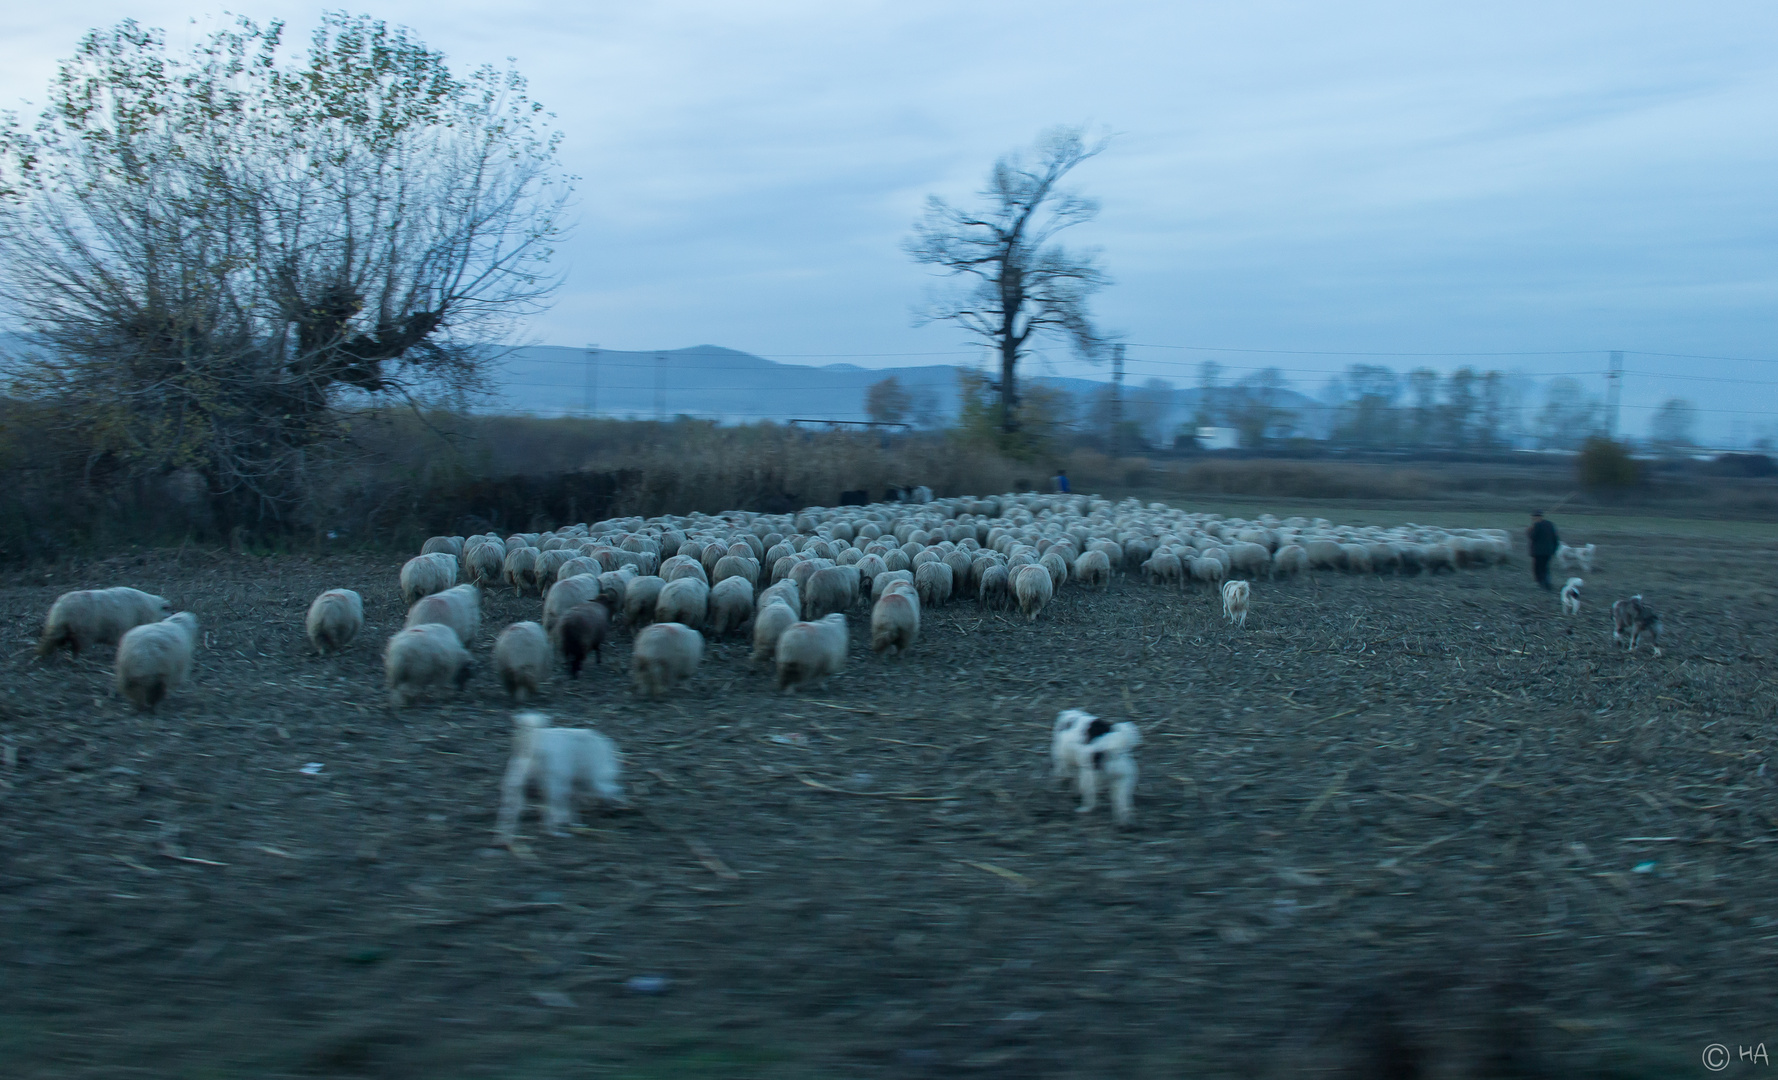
(1218, 438)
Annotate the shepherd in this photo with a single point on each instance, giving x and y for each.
(1544, 542)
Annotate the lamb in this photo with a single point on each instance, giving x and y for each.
(556, 759)
(768, 626)
(1637, 616)
(581, 630)
(423, 575)
(1234, 601)
(334, 620)
(98, 617)
(1571, 596)
(685, 601)
(1088, 746)
(894, 623)
(154, 658)
(420, 656)
(664, 655)
(830, 589)
(730, 606)
(994, 590)
(521, 656)
(1093, 569)
(1034, 587)
(932, 581)
(459, 608)
(811, 651)
(640, 596)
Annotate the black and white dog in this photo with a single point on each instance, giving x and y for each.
(1571, 596)
(1091, 748)
(1640, 619)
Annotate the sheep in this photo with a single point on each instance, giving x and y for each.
(1209, 571)
(581, 630)
(98, 617)
(1637, 616)
(994, 587)
(1358, 558)
(1324, 554)
(784, 590)
(730, 606)
(1234, 601)
(735, 566)
(680, 566)
(154, 658)
(769, 625)
(448, 545)
(565, 594)
(422, 656)
(579, 566)
(664, 655)
(459, 608)
(1057, 565)
(894, 622)
(613, 584)
(1290, 559)
(1250, 559)
(484, 563)
(640, 596)
(556, 759)
(1163, 568)
(1586, 554)
(685, 601)
(1033, 586)
(334, 620)
(423, 575)
(1571, 596)
(830, 589)
(1093, 569)
(1436, 557)
(520, 570)
(933, 583)
(521, 656)
(811, 651)
(887, 578)
(1088, 746)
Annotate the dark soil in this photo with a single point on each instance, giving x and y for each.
(1395, 827)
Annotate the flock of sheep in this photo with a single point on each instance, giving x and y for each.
(791, 582)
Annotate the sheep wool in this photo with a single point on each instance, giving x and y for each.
(521, 656)
(894, 623)
(459, 608)
(768, 626)
(98, 617)
(334, 620)
(809, 652)
(421, 656)
(582, 629)
(154, 658)
(663, 656)
(423, 575)
(1033, 587)
(731, 605)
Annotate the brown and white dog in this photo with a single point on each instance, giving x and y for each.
(1640, 619)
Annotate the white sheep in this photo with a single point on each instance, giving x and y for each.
(566, 593)
(1164, 568)
(730, 606)
(882, 581)
(521, 656)
(809, 652)
(520, 569)
(769, 625)
(994, 587)
(449, 545)
(334, 620)
(783, 590)
(933, 583)
(894, 622)
(1087, 746)
(556, 759)
(1235, 595)
(459, 608)
(830, 589)
(1290, 559)
(735, 566)
(98, 617)
(154, 658)
(420, 656)
(423, 575)
(1093, 570)
(686, 601)
(1033, 587)
(664, 655)
(1207, 570)
(640, 595)
(1571, 596)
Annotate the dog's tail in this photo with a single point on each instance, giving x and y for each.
(1121, 739)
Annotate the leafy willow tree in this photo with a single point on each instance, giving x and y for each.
(211, 254)
(1017, 280)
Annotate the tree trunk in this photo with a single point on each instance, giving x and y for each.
(1009, 358)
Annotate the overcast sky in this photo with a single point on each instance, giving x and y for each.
(1309, 178)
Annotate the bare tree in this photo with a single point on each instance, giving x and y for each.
(1675, 425)
(887, 401)
(212, 253)
(1018, 281)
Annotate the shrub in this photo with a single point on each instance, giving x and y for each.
(1605, 464)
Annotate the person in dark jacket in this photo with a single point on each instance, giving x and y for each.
(1544, 542)
(1062, 481)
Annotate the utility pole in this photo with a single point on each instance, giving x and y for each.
(1614, 379)
(1117, 399)
(592, 381)
(660, 387)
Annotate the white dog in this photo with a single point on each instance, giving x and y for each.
(1234, 601)
(1571, 596)
(555, 759)
(1089, 747)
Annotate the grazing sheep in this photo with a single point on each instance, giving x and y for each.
(664, 655)
(1088, 747)
(484, 563)
(730, 606)
(769, 625)
(581, 629)
(1209, 571)
(1436, 557)
(556, 759)
(1637, 616)
(1291, 559)
(640, 596)
(1571, 596)
(334, 620)
(613, 584)
(894, 623)
(154, 658)
(1093, 569)
(520, 570)
(735, 566)
(1358, 558)
(994, 588)
(1057, 565)
(1034, 587)
(1250, 559)
(1164, 568)
(420, 656)
(459, 608)
(811, 651)
(1234, 601)
(888, 578)
(681, 566)
(565, 594)
(579, 566)
(932, 581)
(449, 545)
(521, 656)
(783, 590)
(98, 617)
(684, 601)
(1325, 555)
(424, 575)
(830, 589)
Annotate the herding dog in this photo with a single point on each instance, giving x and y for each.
(1092, 747)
